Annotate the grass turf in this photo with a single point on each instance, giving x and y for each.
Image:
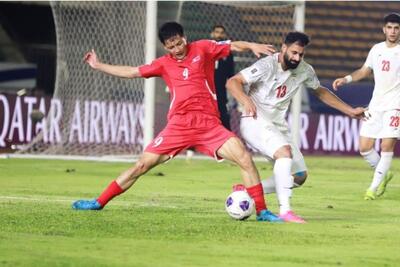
(174, 216)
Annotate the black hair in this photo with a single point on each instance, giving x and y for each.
(300, 38)
(218, 26)
(392, 17)
(168, 30)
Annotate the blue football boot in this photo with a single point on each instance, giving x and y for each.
(86, 205)
(267, 216)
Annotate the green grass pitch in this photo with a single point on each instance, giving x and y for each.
(174, 216)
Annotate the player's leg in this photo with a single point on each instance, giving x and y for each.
(299, 179)
(284, 183)
(380, 125)
(368, 151)
(146, 162)
(283, 178)
(189, 155)
(270, 141)
(234, 150)
(299, 176)
(389, 135)
(299, 168)
(371, 156)
(163, 147)
(269, 185)
(123, 182)
(377, 126)
(368, 132)
(217, 141)
(264, 137)
(299, 172)
(382, 175)
(256, 134)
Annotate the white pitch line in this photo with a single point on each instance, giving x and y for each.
(34, 199)
(64, 200)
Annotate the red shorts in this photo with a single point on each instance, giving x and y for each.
(202, 132)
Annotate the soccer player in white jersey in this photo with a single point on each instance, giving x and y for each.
(265, 90)
(384, 108)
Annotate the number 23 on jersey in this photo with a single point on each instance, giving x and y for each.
(385, 65)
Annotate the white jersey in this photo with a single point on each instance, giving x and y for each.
(272, 88)
(385, 63)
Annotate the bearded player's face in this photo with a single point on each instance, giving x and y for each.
(176, 46)
(218, 34)
(292, 55)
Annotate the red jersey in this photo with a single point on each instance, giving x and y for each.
(191, 80)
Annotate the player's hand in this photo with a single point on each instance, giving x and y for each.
(338, 82)
(249, 109)
(260, 49)
(360, 113)
(91, 59)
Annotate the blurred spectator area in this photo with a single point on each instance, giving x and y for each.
(27, 38)
(342, 33)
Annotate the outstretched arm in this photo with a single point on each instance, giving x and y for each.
(257, 49)
(235, 88)
(357, 75)
(120, 71)
(332, 100)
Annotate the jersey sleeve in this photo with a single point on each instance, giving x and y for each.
(312, 79)
(369, 61)
(216, 50)
(255, 72)
(154, 69)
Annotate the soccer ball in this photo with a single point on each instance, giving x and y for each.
(239, 205)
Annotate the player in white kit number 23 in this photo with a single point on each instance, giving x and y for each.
(384, 108)
(265, 90)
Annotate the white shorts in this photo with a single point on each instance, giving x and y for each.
(382, 124)
(266, 137)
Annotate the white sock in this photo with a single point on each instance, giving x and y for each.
(189, 154)
(381, 169)
(372, 157)
(283, 183)
(269, 185)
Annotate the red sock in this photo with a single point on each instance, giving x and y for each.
(257, 194)
(111, 191)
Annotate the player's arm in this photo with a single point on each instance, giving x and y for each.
(235, 87)
(355, 76)
(335, 102)
(257, 49)
(120, 71)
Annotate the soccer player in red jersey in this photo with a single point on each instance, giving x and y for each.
(193, 118)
